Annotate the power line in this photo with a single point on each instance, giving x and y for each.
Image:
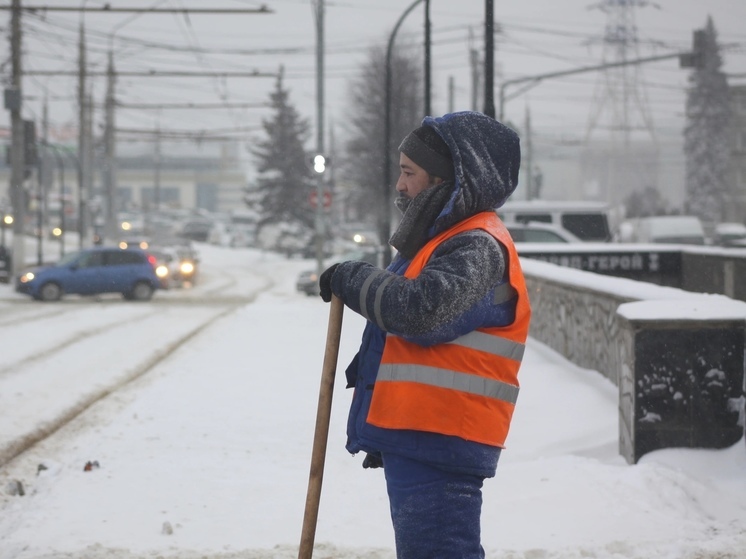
(156, 74)
(167, 106)
(165, 132)
(107, 8)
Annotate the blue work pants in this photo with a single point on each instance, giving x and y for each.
(436, 513)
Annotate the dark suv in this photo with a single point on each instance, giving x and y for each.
(93, 271)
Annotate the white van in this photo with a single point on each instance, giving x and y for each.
(589, 221)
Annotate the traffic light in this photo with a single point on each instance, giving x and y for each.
(30, 154)
(319, 163)
(29, 143)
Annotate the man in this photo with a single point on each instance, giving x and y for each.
(436, 375)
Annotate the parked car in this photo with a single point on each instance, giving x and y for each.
(673, 229)
(730, 235)
(540, 233)
(308, 280)
(92, 271)
(587, 220)
(196, 230)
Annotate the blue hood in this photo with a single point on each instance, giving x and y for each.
(486, 158)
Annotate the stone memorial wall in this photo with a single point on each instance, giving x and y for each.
(678, 360)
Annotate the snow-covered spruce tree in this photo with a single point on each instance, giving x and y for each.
(706, 147)
(280, 194)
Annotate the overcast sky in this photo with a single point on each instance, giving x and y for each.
(536, 37)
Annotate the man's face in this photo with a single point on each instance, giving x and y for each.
(413, 179)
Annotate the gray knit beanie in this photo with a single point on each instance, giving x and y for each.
(427, 149)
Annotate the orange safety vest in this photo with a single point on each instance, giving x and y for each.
(466, 387)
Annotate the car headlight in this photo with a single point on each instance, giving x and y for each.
(161, 271)
(186, 268)
(27, 277)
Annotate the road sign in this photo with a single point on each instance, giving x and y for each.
(327, 197)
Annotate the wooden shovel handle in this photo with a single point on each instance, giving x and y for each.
(321, 434)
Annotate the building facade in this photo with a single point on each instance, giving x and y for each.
(214, 183)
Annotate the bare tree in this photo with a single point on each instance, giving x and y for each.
(364, 155)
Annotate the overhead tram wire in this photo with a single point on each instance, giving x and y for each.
(149, 45)
(193, 42)
(167, 106)
(108, 9)
(92, 33)
(344, 47)
(339, 48)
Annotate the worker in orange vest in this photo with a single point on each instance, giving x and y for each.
(436, 377)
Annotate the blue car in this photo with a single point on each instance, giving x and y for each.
(131, 272)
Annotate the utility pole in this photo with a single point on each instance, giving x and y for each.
(44, 178)
(474, 63)
(89, 161)
(451, 94)
(331, 183)
(428, 108)
(489, 58)
(13, 99)
(82, 147)
(529, 157)
(110, 155)
(157, 169)
(320, 233)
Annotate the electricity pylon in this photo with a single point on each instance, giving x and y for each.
(620, 106)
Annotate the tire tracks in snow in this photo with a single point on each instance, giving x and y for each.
(10, 319)
(74, 338)
(16, 446)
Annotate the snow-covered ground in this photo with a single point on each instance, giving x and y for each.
(207, 454)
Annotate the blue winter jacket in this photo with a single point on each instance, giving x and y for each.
(461, 288)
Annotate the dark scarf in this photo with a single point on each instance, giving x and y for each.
(415, 228)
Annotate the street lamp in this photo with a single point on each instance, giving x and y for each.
(6, 222)
(81, 201)
(384, 226)
(61, 167)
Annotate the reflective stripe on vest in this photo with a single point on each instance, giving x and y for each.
(444, 378)
(467, 387)
(491, 344)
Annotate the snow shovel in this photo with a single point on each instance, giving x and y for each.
(321, 434)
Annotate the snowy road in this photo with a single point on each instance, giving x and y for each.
(97, 345)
